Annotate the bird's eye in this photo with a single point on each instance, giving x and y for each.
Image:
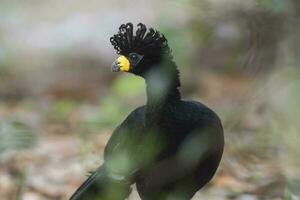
(133, 56)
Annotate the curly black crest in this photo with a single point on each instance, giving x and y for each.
(144, 41)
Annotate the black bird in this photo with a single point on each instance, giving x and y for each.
(170, 148)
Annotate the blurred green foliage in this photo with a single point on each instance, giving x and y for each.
(293, 188)
(124, 95)
(128, 85)
(115, 106)
(179, 41)
(276, 6)
(62, 109)
(15, 135)
(111, 111)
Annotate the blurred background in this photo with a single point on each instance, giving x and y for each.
(59, 102)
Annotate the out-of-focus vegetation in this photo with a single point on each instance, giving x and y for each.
(59, 102)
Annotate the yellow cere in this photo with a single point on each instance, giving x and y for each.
(124, 64)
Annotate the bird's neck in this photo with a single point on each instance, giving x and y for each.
(162, 89)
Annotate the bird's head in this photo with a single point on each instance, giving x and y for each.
(140, 51)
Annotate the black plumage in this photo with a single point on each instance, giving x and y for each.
(168, 147)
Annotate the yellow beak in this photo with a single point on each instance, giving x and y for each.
(121, 64)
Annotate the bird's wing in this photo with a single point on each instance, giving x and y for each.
(120, 154)
(123, 136)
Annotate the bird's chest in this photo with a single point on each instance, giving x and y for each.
(169, 121)
(171, 129)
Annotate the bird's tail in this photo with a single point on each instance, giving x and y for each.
(99, 186)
